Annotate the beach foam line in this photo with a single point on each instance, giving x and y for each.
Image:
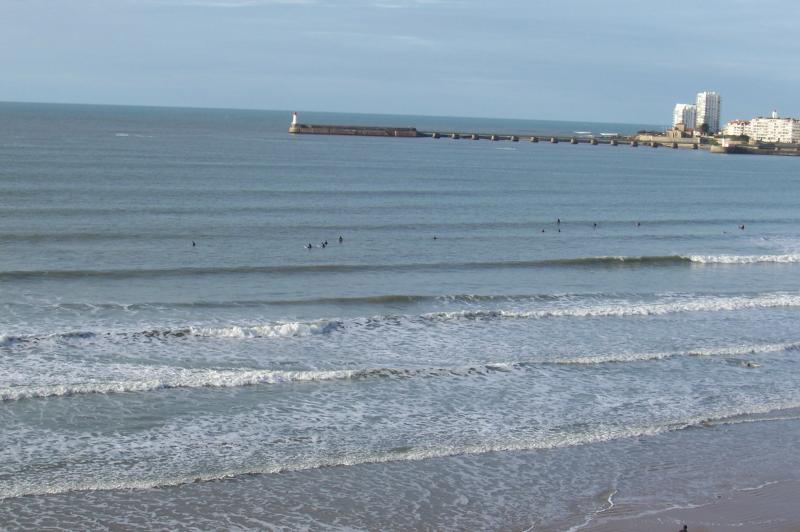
(170, 378)
(622, 309)
(599, 434)
(730, 352)
(280, 329)
(177, 378)
(745, 259)
(165, 378)
(607, 261)
(269, 330)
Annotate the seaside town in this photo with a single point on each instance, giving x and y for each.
(700, 122)
(694, 126)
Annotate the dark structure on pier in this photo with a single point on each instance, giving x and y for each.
(363, 131)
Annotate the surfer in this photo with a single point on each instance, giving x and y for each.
(309, 246)
(193, 244)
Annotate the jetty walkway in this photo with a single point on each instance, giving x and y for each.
(650, 140)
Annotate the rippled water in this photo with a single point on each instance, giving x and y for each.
(459, 360)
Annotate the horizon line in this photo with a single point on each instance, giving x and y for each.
(194, 107)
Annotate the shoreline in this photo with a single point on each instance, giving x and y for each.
(771, 506)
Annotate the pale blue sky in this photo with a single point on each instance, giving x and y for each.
(622, 61)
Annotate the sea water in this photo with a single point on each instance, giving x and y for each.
(508, 335)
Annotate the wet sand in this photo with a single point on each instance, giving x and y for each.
(772, 507)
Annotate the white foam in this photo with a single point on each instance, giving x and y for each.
(175, 378)
(621, 309)
(601, 434)
(7, 340)
(276, 330)
(744, 259)
(133, 378)
(710, 352)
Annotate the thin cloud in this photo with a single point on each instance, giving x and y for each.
(235, 3)
(411, 40)
(406, 4)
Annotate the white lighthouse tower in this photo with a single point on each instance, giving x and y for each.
(294, 126)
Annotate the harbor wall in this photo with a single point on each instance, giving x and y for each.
(653, 141)
(364, 131)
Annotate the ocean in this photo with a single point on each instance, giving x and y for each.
(509, 336)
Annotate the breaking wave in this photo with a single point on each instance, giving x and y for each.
(563, 309)
(744, 259)
(608, 261)
(169, 378)
(598, 434)
(621, 309)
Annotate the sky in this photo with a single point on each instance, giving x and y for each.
(587, 60)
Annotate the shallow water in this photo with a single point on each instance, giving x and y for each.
(511, 371)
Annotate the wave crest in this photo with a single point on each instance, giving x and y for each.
(299, 269)
(169, 378)
(744, 259)
(622, 309)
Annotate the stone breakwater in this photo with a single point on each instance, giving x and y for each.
(362, 131)
(653, 141)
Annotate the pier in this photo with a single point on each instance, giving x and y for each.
(634, 141)
(361, 131)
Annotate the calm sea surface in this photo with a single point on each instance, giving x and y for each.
(172, 356)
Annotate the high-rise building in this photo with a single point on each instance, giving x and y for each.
(708, 104)
(684, 113)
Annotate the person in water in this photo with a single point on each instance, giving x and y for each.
(309, 246)
(341, 239)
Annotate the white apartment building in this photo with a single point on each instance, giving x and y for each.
(737, 128)
(772, 129)
(775, 129)
(708, 105)
(684, 113)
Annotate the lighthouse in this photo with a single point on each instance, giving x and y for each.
(294, 127)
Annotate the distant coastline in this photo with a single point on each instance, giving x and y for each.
(645, 138)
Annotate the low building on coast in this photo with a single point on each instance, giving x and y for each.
(766, 129)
